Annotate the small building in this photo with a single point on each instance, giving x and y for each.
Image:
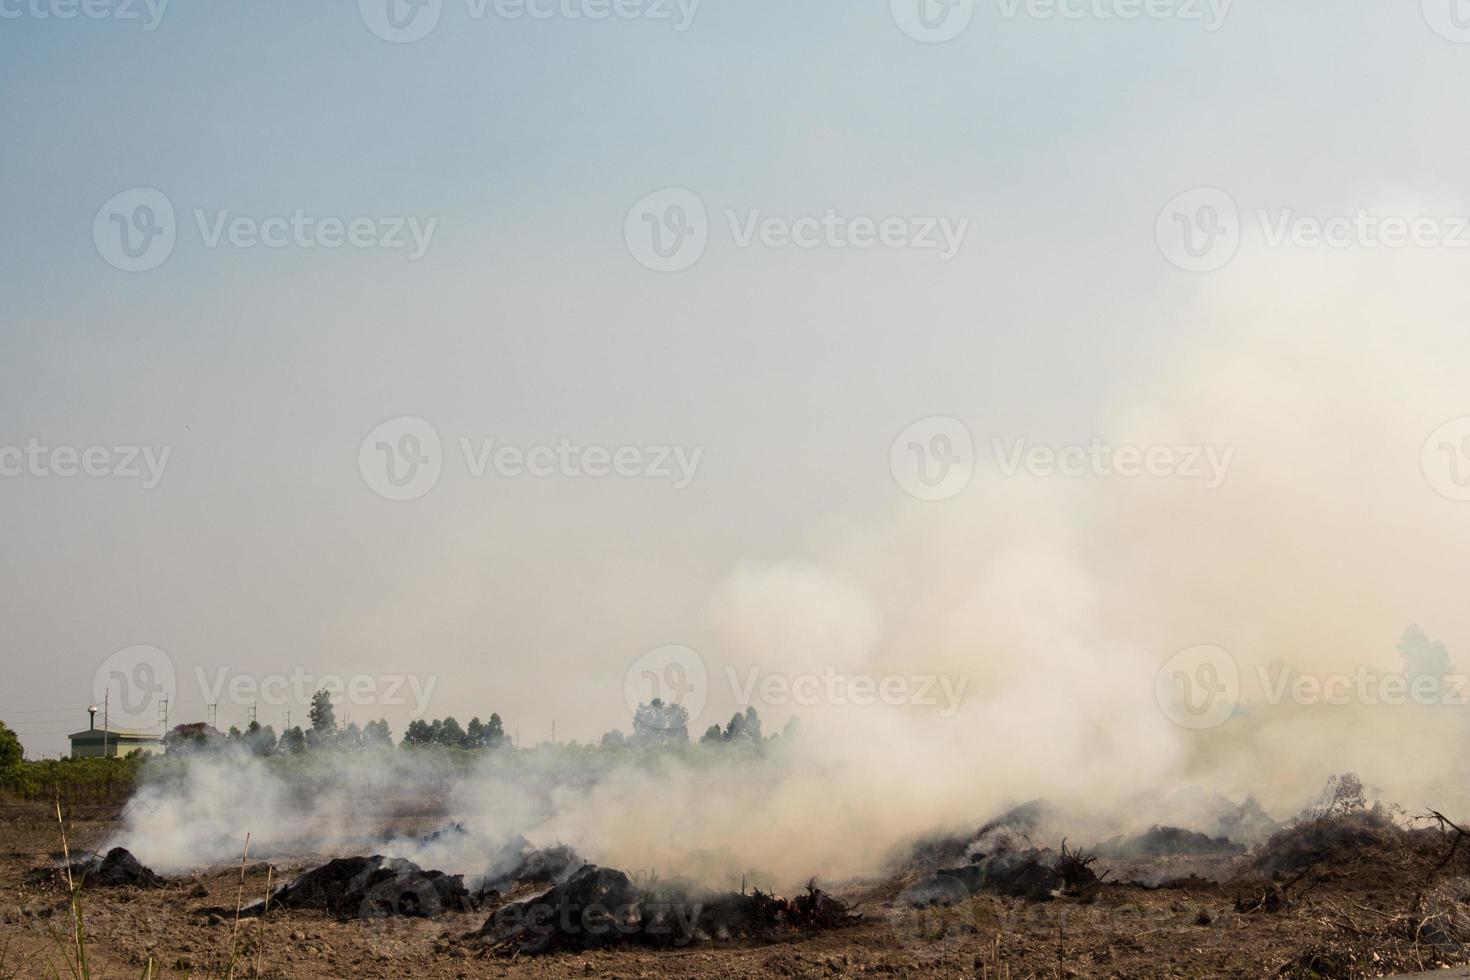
(95, 743)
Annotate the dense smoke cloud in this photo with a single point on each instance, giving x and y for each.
(1052, 603)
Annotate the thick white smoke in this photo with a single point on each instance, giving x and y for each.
(1050, 603)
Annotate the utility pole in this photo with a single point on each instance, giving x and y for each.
(214, 715)
(106, 698)
(252, 714)
(553, 731)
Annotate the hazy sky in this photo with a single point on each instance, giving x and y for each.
(520, 146)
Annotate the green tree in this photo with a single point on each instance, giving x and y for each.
(494, 736)
(712, 734)
(419, 732)
(192, 736)
(736, 728)
(449, 733)
(260, 739)
(658, 722)
(323, 716)
(293, 741)
(752, 724)
(11, 752)
(375, 734)
(350, 737)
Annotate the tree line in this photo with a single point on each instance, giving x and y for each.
(325, 732)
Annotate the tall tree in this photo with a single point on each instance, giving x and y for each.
(351, 736)
(323, 715)
(659, 721)
(450, 733)
(10, 748)
(260, 738)
(494, 732)
(375, 734)
(293, 740)
(419, 732)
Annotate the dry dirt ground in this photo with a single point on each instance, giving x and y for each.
(1192, 931)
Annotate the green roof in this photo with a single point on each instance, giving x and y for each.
(118, 734)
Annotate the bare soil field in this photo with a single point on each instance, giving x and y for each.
(1340, 915)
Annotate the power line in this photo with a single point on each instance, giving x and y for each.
(39, 711)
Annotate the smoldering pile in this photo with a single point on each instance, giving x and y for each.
(1411, 910)
(379, 886)
(1339, 839)
(1000, 858)
(1007, 856)
(511, 865)
(1165, 842)
(598, 907)
(371, 888)
(1165, 856)
(1037, 874)
(118, 868)
(518, 864)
